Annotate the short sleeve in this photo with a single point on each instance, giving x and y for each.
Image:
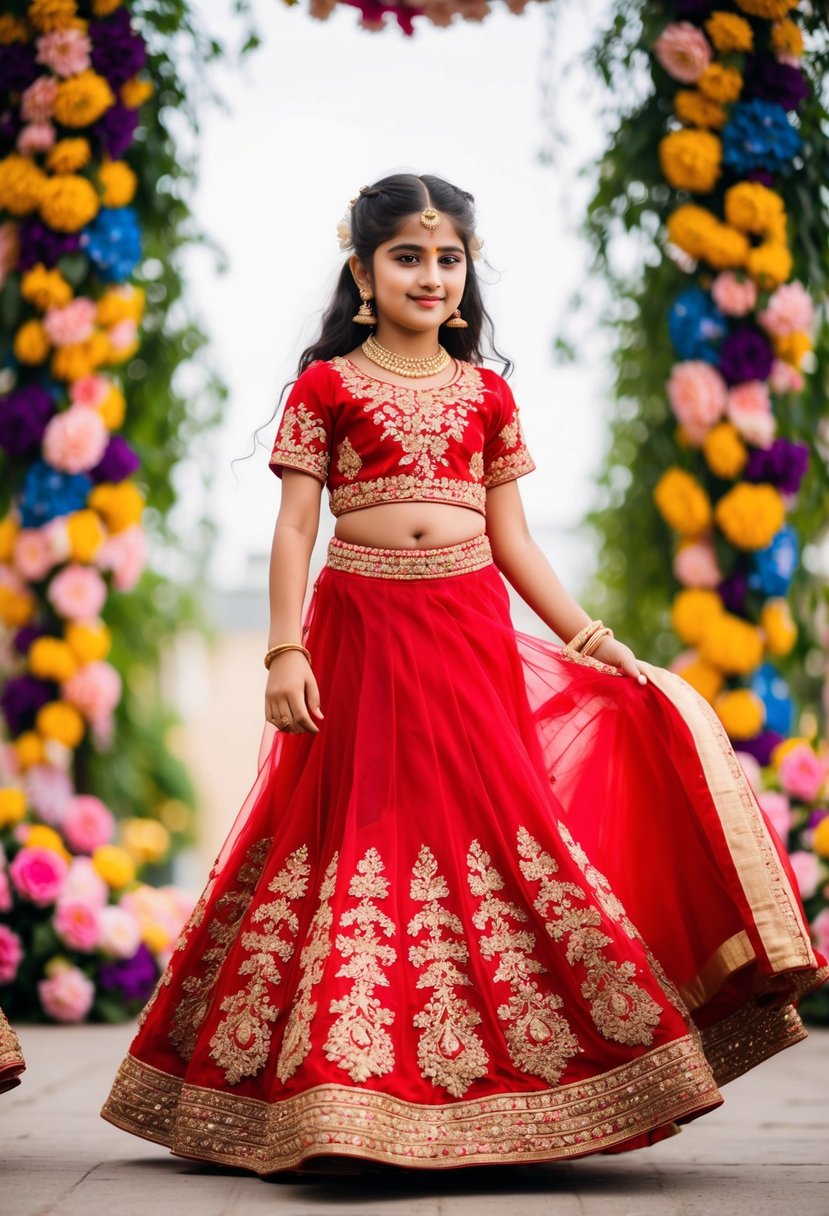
(303, 437)
(505, 450)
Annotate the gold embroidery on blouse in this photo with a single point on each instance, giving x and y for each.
(476, 465)
(296, 1040)
(348, 459)
(449, 1052)
(406, 487)
(242, 1039)
(508, 467)
(621, 1009)
(538, 1038)
(356, 1041)
(299, 429)
(198, 989)
(512, 433)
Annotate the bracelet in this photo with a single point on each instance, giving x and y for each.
(275, 650)
(595, 641)
(577, 643)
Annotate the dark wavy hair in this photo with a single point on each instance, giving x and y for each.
(376, 217)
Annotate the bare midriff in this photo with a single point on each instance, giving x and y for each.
(410, 525)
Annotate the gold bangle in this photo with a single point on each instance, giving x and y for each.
(578, 642)
(596, 639)
(275, 650)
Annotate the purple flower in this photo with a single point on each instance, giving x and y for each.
(21, 699)
(733, 591)
(784, 465)
(17, 66)
(745, 355)
(762, 745)
(41, 244)
(25, 636)
(762, 176)
(135, 977)
(116, 129)
(24, 413)
(118, 51)
(766, 78)
(118, 462)
(691, 9)
(817, 816)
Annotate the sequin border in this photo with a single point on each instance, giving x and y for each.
(462, 558)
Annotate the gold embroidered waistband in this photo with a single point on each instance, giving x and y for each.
(461, 558)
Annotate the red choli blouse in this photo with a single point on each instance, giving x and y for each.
(371, 442)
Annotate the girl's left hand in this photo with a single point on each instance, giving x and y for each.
(616, 654)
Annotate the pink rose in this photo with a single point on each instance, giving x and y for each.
(87, 823)
(11, 954)
(698, 397)
(83, 882)
(77, 924)
(77, 593)
(784, 378)
(32, 554)
(695, 565)
(5, 892)
(35, 137)
(66, 52)
(37, 103)
(749, 408)
(807, 872)
(683, 51)
(776, 806)
(789, 311)
(38, 875)
(123, 335)
(120, 932)
(820, 931)
(125, 555)
(751, 769)
(70, 323)
(48, 790)
(94, 689)
(74, 440)
(90, 391)
(67, 995)
(733, 295)
(802, 774)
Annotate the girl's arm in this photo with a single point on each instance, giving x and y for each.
(291, 688)
(526, 568)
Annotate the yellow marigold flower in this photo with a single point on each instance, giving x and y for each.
(77, 360)
(121, 303)
(13, 29)
(61, 721)
(86, 534)
(783, 748)
(720, 83)
(51, 659)
(724, 451)
(750, 515)
(793, 348)
(695, 109)
(45, 288)
(113, 409)
(689, 227)
(771, 10)
(12, 806)
(693, 610)
(16, 607)
(49, 15)
(728, 32)
(732, 645)
(8, 533)
(120, 505)
(40, 836)
(89, 641)
(769, 264)
(703, 677)
(102, 8)
(119, 183)
(82, 99)
(21, 184)
(820, 838)
(30, 343)
(146, 840)
(29, 749)
(786, 38)
(752, 207)
(725, 248)
(777, 624)
(68, 155)
(68, 202)
(114, 865)
(691, 160)
(682, 502)
(135, 92)
(741, 712)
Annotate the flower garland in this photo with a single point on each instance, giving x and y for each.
(69, 242)
(376, 15)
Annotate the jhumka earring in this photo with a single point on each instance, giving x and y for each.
(456, 321)
(365, 314)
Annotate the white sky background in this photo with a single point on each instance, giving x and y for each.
(322, 108)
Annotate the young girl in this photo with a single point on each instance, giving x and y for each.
(490, 899)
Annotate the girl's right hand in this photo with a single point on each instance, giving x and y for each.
(292, 693)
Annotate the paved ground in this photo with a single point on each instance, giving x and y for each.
(763, 1153)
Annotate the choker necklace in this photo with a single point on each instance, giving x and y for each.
(404, 365)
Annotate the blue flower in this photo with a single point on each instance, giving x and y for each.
(48, 493)
(113, 243)
(759, 136)
(772, 568)
(773, 691)
(695, 324)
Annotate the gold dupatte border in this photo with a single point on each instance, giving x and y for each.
(670, 1083)
(731, 956)
(753, 1034)
(11, 1056)
(460, 558)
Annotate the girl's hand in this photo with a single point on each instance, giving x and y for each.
(292, 693)
(616, 654)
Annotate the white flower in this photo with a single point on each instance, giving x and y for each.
(120, 932)
(344, 231)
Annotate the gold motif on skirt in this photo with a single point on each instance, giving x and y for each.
(622, 1010)
(538, 1038)
(357, 1042)
(197, 990)
(242, 1039)
(296, 1040)
(449, 1052)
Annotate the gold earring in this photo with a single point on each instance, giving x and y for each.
(456, 321)
(365, 314)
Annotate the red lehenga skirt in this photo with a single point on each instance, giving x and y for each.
(12, 1063)
(505, 906)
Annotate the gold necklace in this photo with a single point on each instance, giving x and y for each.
(404, 365)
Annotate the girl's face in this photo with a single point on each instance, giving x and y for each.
(418, 277)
